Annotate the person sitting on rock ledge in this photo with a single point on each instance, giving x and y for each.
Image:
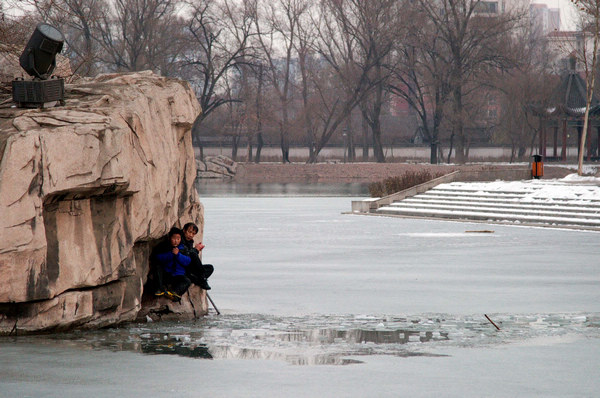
(197, 272)
(172, 263)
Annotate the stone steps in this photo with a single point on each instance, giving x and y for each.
(522, 204)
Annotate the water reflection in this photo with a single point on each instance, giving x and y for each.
(362, 336)
(207, 188)
(175, 346)
(319, 339)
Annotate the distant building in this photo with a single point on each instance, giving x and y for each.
(565, 45)
(491, 7)
(544, 19)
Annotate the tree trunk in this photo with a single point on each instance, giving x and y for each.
(310, 131)
(249, 157)
(458, 127)
(451, 147)
(283, 132)
(433, 152)
(377, 146)
(235, 141)
(365, 147)
(259, 139)
(259, 145)
(285, 148)
(350, 140)
(513, 150)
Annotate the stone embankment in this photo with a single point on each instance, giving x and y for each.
(86, 190)
(372, 172)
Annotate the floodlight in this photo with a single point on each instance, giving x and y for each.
(39, 60)
(39, 57)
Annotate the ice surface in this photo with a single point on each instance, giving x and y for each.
(302, 256)
(319, 303)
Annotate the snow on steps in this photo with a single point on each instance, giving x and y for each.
(533, 202)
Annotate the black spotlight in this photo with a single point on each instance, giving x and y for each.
(39, 60)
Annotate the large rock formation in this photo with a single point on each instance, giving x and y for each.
(85, 192)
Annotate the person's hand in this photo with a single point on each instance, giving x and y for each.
(175, 251)
(200, 246)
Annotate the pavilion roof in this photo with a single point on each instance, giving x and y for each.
(571, 92)
(569, 98)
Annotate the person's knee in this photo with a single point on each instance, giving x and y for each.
(208, 270)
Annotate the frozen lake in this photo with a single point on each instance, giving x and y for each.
(317, 303)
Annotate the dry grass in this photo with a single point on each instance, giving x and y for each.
(396, 184)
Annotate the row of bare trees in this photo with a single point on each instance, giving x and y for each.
(303, 71)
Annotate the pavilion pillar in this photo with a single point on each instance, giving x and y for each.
(563, 154)
(579, 134)
(555, 146)
(545, 141)
(540, 135)
(588, 141)
(598, 141)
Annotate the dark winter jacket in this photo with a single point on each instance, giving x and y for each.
(189, 246)
(172, 264)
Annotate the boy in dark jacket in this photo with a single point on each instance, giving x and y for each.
(197, 272)
(172, 261)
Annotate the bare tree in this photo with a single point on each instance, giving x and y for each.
(75, 19)
(308, 64)
(354, 39)
(258, 112)
(420, 76)
(277, 25)
(590, 13)
(370, 108)
(14, 31)
(138, 34)
(524, 86)
(475, 38)
(220, 32)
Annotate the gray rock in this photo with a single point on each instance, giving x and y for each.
(216, 167)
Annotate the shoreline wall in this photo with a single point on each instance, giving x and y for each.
(374, 172)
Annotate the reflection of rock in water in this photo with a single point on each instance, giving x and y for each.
(175, 347)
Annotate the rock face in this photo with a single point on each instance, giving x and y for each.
(86, 190)
(216, 167)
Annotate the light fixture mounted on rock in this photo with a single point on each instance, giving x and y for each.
(39, 60)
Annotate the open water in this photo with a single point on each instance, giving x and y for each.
(316, 303)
